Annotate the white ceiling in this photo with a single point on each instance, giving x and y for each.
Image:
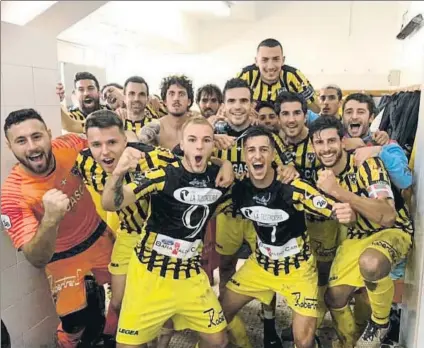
(167, 24)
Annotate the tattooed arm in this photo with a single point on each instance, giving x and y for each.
(116, 195)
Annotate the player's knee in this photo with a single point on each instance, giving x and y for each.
(334, 298)
(373, 265)
(219, 340)
(304, 337)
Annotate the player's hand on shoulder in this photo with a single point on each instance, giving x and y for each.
(223, 141)
(286, 174)
(380, 137)
(363, 153)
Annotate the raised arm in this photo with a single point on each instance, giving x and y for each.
(379, 206)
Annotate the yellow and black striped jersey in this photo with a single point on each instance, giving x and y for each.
(135, 126)
(133, 216)
(180, 205)
(366, 181)
(235, 154)
(304, 158)
(278, 215)
(291, 80)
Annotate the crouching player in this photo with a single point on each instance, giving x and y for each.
(282, 262)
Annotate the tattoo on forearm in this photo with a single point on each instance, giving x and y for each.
(119, 193)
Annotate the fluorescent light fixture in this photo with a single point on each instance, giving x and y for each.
(22, 12)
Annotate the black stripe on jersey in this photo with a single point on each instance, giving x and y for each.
(140, 211)
(284, 79)
(82, 167)
(253, 84)
(261, 89)
(293, 86)
(148, 183)
(93, 173)
(298, 78)
(368, 171)
(149, 161)
(164, 267)
(177, 268)
(130, 214)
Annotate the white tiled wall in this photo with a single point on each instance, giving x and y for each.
(29, 73)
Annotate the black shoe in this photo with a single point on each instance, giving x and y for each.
(287, 334)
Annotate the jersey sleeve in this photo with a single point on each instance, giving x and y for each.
(153, 181)
(300, 84)
(159, 158)
(396, 163)
(17, 216)
(307, 198)
(72, 140)
(374, 179)
(248, 74)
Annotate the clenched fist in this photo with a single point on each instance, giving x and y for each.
(327, 181)
(129, 160)
(344, 213)
(55, 204)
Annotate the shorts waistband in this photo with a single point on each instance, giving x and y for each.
(83, 246)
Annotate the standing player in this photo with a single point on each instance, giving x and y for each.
(107, 143)
(381, 237)
(270, 76)
(51, 218)
(165, 274)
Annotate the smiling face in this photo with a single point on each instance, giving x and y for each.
(197, 144)
(30, 142)
(328, 147)
(356, 118)
(87, 95)
(292, 119)
(269, 61)
(259, 154)
(237, 106)
(269, 119)
(136, 97)
(106, 146)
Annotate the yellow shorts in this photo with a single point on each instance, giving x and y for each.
(150, 300)
(123, 248)
(324, 239)
(230, 233)
(299, 286)
(393, 243)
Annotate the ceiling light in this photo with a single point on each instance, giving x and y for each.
(22, 12)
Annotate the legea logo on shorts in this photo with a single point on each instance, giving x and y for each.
(197, 196)
(265, 215)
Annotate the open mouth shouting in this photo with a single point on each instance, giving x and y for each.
(355, 129)
(108, 164)
(36, 158)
